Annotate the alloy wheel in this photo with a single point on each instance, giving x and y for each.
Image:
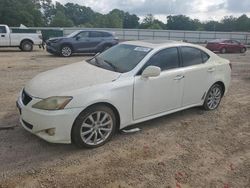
(96, 128)
(214, 98)
(66, 51)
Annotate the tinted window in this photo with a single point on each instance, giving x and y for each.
(84, 34)
(2, 29)
(205, 56)
(235, 42)
(192, 56)
(165, 59)
(95, 34)
(105, 34)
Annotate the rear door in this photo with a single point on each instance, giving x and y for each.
(229, 46)
(4, 37)
(236, 46)
(96, 38)
(198, 72)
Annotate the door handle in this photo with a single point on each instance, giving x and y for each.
(2, 35)
(211, 70)
(179, 77)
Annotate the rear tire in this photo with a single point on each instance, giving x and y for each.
(223, 50)
(26, 46)
(213, 97)
(94, 127)
(243, 50)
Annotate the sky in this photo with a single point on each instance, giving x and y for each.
(200, 9)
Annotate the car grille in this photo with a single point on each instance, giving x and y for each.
(25, 98)
(29, 126)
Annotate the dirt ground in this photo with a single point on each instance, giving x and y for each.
(192, 148)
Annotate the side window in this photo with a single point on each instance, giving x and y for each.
(235, 42)
(165, 59)
(228, 41)
(105, 34)
(2, 29)
(84, 34)
(95, 34)
(205, 57)
(192, 56)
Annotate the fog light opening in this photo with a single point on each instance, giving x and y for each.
(50, 132)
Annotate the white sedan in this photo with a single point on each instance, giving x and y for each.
(86, 102)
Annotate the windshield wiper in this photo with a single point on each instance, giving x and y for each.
(111, 65)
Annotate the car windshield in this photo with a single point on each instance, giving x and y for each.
(120, 58)
(73, 34)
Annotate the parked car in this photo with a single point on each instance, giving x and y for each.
(25, 41)
(86, 102)
(82, 42)
(226, 46)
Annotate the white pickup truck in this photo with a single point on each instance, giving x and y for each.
(25, 41)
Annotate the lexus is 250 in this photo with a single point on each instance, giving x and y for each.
(86, 102)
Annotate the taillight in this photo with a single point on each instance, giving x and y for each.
(231, 66)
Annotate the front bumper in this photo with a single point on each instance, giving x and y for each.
(38, 122)
(52, 50)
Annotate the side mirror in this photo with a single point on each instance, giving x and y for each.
(151, 71)
(78, 37)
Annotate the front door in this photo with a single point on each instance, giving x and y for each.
(160, 94)
(4, 37)
(82, 42)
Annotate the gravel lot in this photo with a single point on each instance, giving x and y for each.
(192, 148)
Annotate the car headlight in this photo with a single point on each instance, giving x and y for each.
(53, 103)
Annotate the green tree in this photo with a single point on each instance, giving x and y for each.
(181, 22)
(149, 22)
(60, 20)
(48, 10)
(114, 19)
(243, 23)
(211, 26)
(130, 21)
(79, 14)
(16, 12)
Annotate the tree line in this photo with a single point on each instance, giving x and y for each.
(43, 13)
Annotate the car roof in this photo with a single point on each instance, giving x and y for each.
(96, 31)
(220, 40)
(157, 43)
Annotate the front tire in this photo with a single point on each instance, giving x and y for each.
(66, 51)
(94, 127)
(213, 97)
(26, 46)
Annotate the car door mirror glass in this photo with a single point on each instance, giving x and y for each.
(78, 37)
(151, 71)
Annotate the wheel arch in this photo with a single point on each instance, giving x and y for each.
(67, 44)
(222, 85)
(109, 105)
(26, 39)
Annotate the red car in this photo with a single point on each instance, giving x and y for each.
(226, 46)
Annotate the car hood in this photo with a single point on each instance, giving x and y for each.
(68, 78)
(56, 38)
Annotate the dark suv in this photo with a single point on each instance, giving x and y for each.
(87, 41)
